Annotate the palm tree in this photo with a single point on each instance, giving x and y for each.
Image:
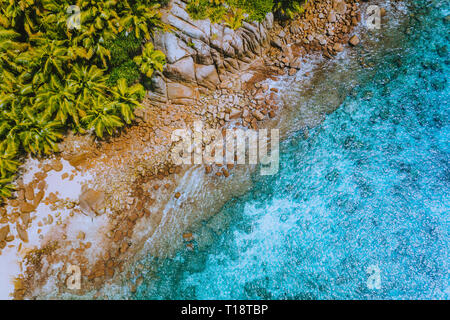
(100, 117)
(14, 95)
(8, 152)
(100, 15)
(290, 8)
(6, 188)
(52, 77)
(9, 49)
(98, 48)
(141, 18)
(87, 82)
(54, 21)
(126, 99)
(150, 60)
(20, 14)
(234, 18)
(38, 136)
(47, 56)
(55, 100)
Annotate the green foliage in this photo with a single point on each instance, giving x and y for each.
(100, 117)
(55, 76)
(123, 48)
(150, 60)
(234, 12)
(128, 70)
(6, 188)
(289, 8)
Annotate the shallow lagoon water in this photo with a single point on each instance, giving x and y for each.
(368, 189)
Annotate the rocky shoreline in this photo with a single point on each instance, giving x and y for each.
(129, 181)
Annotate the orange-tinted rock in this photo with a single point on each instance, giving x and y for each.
(14, 203)
(29, 193)
(25, 218)
(188, 236)
(258, 115)
(38, 198)
(81, 235)
(4, 231)
(338, 47)
(57, 165)
(272, 114)
(92, 201)
(133, 217)
(78, 159)
(26, 207)
(42, 185)
(124, 247)
(110, 272)
(354, 41)
(117, 236)
(52, 198)
(23, 234)
(40, 175)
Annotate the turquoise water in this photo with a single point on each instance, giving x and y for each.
(369, 187)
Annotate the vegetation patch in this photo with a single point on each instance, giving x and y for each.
(234, 12)
(69, 65)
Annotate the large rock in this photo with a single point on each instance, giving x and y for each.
(332, 17)
(22, 232)
(174, 48)
(177, 91)
(26, 207)
(158, 89)
(182, 70)
(354, 41)
(186, 28)
(4, 231)
(338, 47)
(200, 54)
(340, 6)
(203, 52)
(207, 76)
(92, 201)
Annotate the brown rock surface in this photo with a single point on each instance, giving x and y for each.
(4, 231)
(26, 207)
(92, 201)
(338, 47)
(354, 41)
(23, 234)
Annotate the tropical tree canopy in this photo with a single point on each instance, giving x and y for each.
(55, 62)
